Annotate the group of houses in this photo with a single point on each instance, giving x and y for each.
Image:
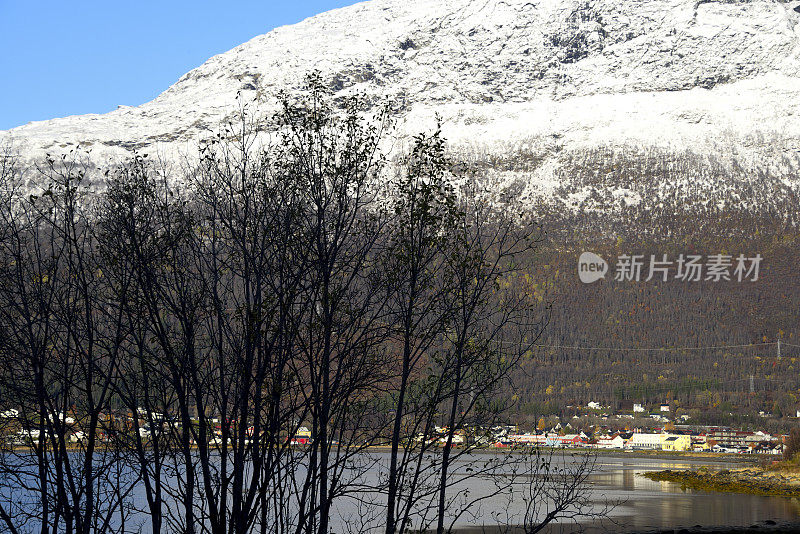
(672, 437)
(708, 439)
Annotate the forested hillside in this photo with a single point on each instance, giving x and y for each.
(665, 207)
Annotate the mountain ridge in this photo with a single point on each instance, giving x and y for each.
(647, 140)
(718, 78)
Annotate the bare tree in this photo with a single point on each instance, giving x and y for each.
(424, 213)
(551, 486)
(332, 155)
(60, 357)
(173, 333)
(492, 328)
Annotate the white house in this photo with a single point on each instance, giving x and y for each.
(665, 407)
(758, 437)
(593, 405)
(611, 442)
(638, 408)
(32, 434)
(534, 439)
(61, 417)
(645, 441)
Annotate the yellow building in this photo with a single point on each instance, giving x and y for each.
(676, 443)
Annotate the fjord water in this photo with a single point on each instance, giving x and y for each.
(651, 505)
(640, 504)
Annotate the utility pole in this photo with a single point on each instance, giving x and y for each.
(779, 349)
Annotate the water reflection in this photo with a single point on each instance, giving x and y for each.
(644, 504)
(648, 505)
(651, 504)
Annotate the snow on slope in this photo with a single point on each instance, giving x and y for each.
(505, 75)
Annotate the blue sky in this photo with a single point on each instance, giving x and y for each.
(61, 58)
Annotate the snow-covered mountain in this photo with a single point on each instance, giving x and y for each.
(551, 97)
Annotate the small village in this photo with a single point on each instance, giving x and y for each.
(683, 438)
(660, 433)
(642, 431)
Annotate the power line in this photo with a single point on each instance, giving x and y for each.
(659, 349)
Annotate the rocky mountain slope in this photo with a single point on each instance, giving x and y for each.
(630, 126)
(584, 104)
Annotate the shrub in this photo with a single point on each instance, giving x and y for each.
(792, 444)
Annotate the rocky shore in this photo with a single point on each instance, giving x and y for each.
(783, 527)
(753, 480)
(762, 526)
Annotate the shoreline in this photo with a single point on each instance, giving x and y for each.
(616, 453)
(715, 457)
(778, 482)
(790, 527)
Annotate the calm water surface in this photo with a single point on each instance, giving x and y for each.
(651, 505)
(644, 504)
